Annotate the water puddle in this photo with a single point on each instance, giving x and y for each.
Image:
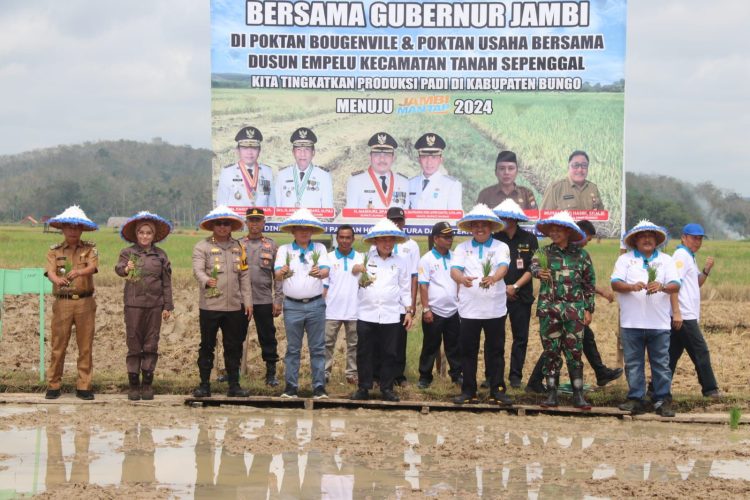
(254, 453)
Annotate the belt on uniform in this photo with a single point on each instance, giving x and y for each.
(74, 296)
(305, 301)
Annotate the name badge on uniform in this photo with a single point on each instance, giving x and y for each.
(568, 197)
(519, 263)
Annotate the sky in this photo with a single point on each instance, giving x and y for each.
(88, 70)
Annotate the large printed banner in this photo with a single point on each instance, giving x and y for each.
(348, 108)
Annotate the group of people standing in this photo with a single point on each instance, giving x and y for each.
(464, 292)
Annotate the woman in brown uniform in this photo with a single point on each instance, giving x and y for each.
(148, 297)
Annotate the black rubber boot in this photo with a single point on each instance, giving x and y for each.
(271, 379)
(551, 401)
(576, 380)
(147, 389)
(134, 387)
(235, 391)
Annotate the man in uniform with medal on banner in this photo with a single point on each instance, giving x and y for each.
(246, 183)
(378, 186)
(303, 184)
(433, 190)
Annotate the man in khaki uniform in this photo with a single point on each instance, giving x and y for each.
(574, 192)
(226, 302)
(268, 296)
(506, 171)
(70, 267)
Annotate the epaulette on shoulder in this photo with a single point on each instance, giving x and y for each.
(55, 246)
(88, 243)
(358, 172)
(402, 175)
(324, 169)
(230, 165)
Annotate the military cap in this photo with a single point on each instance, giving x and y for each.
(303, 136)
(508, 156)
(395, 213)
(442, 228)
(254, 212)
(248, 137)
(430, 144)
(382, 142)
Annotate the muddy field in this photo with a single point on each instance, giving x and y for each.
(107, 451)
(726, 328)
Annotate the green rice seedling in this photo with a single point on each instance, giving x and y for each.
(213, 291)
(486, 271)
(365, 279)
(651, 276)
(315, 255)
(134, 275)
(735, 415)
(541, 258)
(288, 262)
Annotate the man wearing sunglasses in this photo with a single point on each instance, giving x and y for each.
(574, 192)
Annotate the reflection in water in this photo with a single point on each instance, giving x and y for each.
(272, 455)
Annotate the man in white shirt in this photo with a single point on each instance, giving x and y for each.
(304, 184)
(432, 189)
(303, 265)
(383, 294)
(378, 186)
(340, 292)
(643, 279)
(247, 183)
(439, 296)
(686, 333)
(478, 266)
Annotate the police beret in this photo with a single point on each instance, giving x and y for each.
(430, 145)
(382, 142)
(248, 137)
(303, 136)
(254, 212)
(508, 156)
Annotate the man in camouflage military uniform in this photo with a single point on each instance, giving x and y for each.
(226, 302)
(566, 303)
(71, 266)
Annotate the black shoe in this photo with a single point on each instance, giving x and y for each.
(463, 399)
(664, 408)
(500, 398)
(361, 395)
(235, 391)
(515, 383)
(400, 381)
(485, 384)
(634, 406)
(459, 381)
(423, 384)
(85, 395)
(202, 391)
(289, 393)
(389, 395)
(320, 393)
(52, 394)
(271, 380)
(609, 375)
(536, 388)
(715, 394)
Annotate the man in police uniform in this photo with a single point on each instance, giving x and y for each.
(574, 192)
(247, 183)
(225, 298)
(378, 186)
(303, 184)
(433, 190)
(267, 293)
(506, 171)
(71, 266)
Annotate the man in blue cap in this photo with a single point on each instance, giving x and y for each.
(686, 333)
